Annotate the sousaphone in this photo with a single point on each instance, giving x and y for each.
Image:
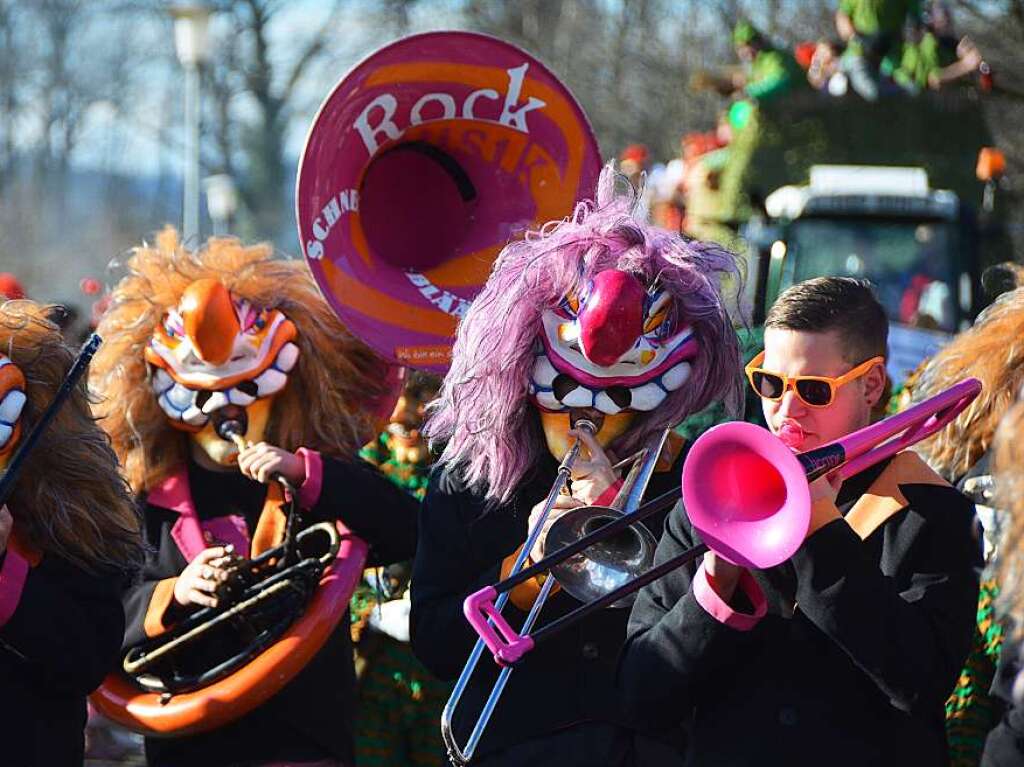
(421, 164)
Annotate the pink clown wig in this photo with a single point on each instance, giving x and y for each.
(483, 415)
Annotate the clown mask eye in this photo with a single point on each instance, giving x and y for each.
(571, 303)
(251, 319)
(659, 323)
(173, 325)
(258, 324)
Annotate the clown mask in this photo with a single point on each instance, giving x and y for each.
(217, 359)
(12, 402)
(610, 351)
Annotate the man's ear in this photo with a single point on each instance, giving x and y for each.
(874, 384)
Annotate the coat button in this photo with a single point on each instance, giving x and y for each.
(788, 716)
(590, 651)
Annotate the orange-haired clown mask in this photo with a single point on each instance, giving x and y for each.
(12, 402)
(214, 356)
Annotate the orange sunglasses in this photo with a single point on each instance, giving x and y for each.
(813, 391)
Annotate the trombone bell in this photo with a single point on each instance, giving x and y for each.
(606, 565)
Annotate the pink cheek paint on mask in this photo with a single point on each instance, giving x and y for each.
(792, 435)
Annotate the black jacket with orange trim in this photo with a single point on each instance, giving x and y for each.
(60, 631)
(464, 545)
(862, 642)
(312, 717)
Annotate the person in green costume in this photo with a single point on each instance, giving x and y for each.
(939, 57)
(873, 32)
(770, 71)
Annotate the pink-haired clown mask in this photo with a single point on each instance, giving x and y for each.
(615, 346)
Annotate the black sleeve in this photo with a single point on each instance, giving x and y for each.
(446, 571)
(911, 638)
(673, 645)
(372, 506)
(68, 625)
(1004, 746)
(151, 593)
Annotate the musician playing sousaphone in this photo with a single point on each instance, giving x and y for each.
(601, 318)
(225, 373)
(845, 653)
(69, 544)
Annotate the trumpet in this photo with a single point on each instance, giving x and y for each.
(618, 560)
(747, 496)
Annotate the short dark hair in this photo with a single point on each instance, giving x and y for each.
(845, 305)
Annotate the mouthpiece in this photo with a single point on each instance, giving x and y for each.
(230, 430)
(792, 435)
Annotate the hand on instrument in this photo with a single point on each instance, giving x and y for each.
(6, 523)
(203, 575)
(826, 488)
(563, 504)
(592, 475)
(262, 461)
(723, 576)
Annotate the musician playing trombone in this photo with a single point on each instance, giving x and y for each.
(69, 544)
(845, 653)
(228, 385)
(600, 319)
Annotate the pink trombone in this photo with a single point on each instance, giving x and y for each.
(747, 496)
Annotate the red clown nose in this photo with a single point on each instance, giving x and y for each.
(612, 318)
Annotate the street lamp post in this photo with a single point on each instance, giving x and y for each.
(190, 43)
(221, 201)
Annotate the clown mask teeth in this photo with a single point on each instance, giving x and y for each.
(178, 403)
(10, 408)
(238, 397)
(579, 397)
(10, 411)
(647, 397)
(287, 357)
(194, 417)
(557, 391)
(180, 398)
(675, 377)
(216, 400)
(182, 404)
(269, 382)
(605, 404)
(161, 381)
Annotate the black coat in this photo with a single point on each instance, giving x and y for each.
(312, 717)
(1004, 746)
(59, 643)
(564, 682)
(857, 675)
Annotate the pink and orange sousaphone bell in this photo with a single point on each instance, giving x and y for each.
(421, 164)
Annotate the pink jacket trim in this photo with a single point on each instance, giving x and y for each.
(309, 490)
(190, 534)
(12, 582)
(609, 494)
(719, 609)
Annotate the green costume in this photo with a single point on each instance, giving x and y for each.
(399, 701)
(879, 29)
(920, 60)
(773, 72)
(970, 711)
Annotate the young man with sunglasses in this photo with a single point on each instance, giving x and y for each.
(845, 653)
